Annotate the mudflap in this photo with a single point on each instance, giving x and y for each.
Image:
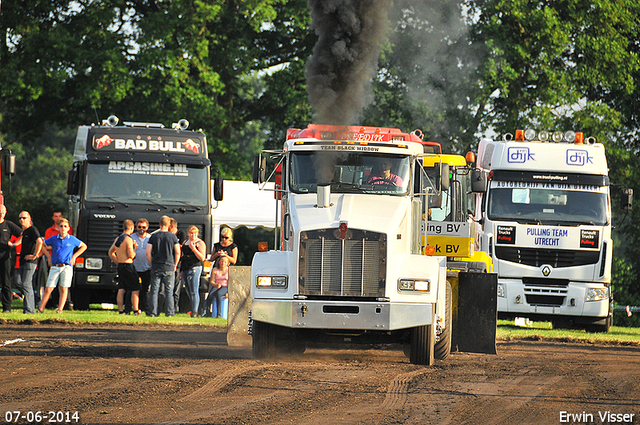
(477, 312)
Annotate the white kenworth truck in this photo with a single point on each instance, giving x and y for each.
(350, 267)
(544, 214)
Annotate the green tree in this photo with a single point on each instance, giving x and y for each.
(625, 291)
(226, 66)
(545, 63)
(40, 183)
(58, 61)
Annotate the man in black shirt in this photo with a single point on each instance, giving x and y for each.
(7, 229)
(29, 253)
(163, 252)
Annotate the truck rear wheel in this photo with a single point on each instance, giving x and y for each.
(442, 347)
(421, 348)
(264, 340)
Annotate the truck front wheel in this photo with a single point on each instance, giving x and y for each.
(422, 345)
(264, 340)
(443, 345)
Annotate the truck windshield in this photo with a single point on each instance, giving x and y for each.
(455, 203)
(147, 183)
(554, 204)
(350, 172)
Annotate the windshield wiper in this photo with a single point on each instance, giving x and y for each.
(186, 204)
(111, 199)
(151, 201)
(577, 223)
(528, 221)
(345, 185)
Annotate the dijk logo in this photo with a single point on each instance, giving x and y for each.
(578, 157)
(519, 155)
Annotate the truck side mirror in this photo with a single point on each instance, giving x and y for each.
(218, 191)
(72, 181)
(259, 169)
(442, 176)
(478, 181)
(626, 199)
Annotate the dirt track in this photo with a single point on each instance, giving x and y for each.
(172, 375)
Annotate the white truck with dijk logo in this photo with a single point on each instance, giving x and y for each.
(544, 210)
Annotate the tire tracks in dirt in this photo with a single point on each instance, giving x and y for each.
(204, 394)
(399, 389)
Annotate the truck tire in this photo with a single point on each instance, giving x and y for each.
(264, 340)
(477, 267)
(442, 347)
(602, 327)
(421, 348)
(80, 298)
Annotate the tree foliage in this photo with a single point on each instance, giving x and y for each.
(546, 63)
(226, 66)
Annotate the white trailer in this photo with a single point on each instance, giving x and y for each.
(544, 214)
(350, 266)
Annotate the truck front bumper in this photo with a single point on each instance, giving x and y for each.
(520, 299)
(343, 315)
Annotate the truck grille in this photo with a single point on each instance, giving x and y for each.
(331, 266)
(536, 257)
(101, 234)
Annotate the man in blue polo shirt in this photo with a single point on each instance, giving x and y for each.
(62, 259)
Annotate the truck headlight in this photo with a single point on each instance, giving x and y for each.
(597, 294)
(423, 285)
(271, 281)
(502, 291)
(93, 263)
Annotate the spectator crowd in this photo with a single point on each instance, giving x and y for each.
(151, 266)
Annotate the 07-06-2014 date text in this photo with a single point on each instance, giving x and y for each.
(30, 416)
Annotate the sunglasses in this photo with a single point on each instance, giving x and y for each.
(142, 227)
(225, 237)
(23, 218)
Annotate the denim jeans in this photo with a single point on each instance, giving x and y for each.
(24, 282)
(166, 278)
(192, 283)
(219, 294)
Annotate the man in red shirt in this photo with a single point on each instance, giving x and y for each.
(55, 229)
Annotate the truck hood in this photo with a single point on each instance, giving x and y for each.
(377, 213)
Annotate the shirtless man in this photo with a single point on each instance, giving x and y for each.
(122, 252)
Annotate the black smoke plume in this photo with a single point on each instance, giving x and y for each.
(339, 72)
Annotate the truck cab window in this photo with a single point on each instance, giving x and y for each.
(350, 172)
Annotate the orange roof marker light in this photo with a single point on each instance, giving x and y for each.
(519, 136)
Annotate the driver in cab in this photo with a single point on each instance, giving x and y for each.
(385, 176)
